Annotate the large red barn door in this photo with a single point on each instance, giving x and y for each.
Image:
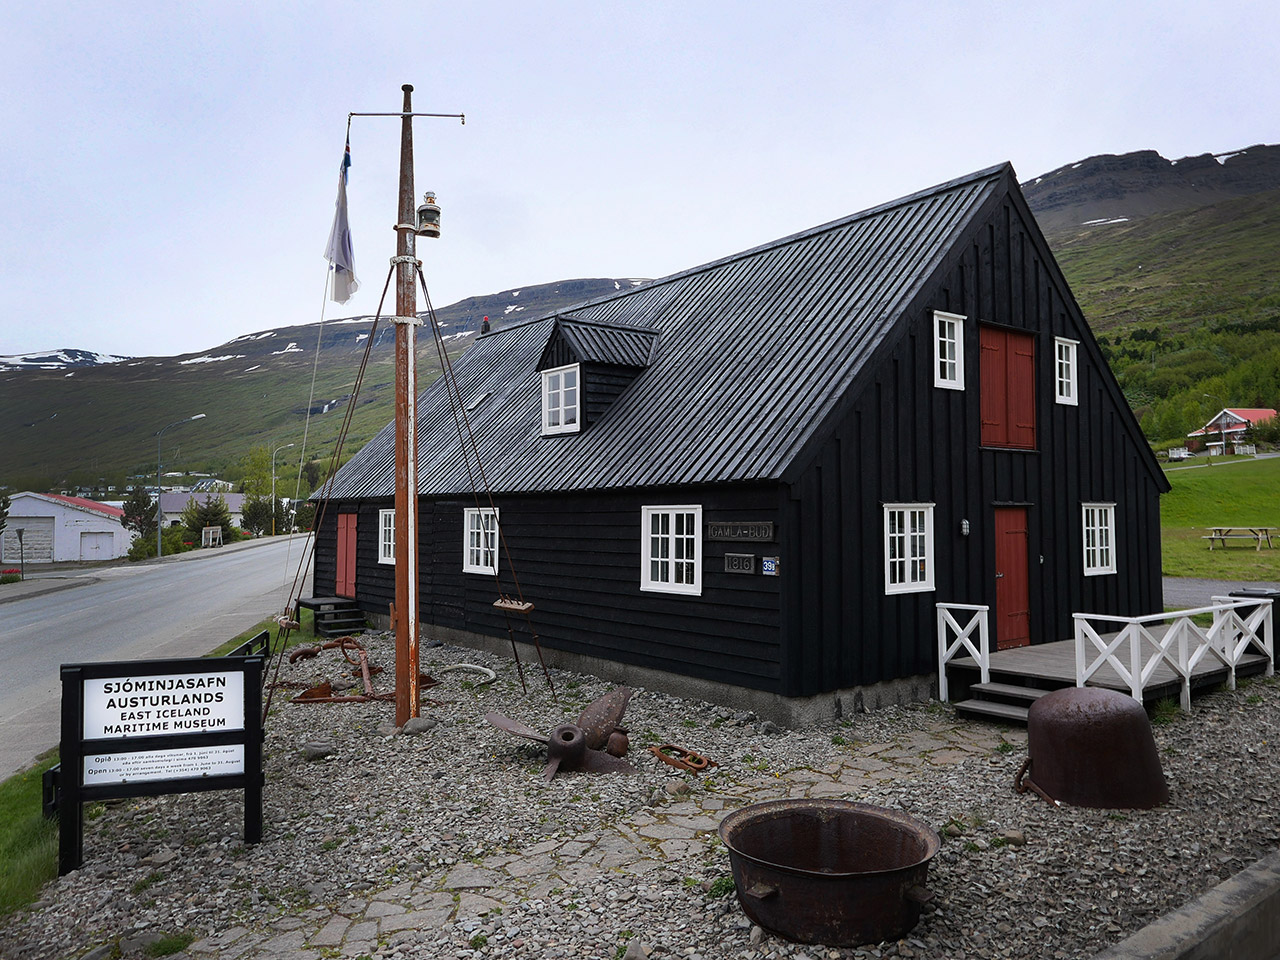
(345, 581)
(1013, 595)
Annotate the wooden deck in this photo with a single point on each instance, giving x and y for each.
(1052, 665)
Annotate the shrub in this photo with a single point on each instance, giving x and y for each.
(10, 576)
(174, 542)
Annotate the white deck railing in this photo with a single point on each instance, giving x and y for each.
(949, 627)
(1141, 646)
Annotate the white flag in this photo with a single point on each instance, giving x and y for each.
(339, 253)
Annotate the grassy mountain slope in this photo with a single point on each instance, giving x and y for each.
(1185, 302)
(1214, 267)
(68, 427)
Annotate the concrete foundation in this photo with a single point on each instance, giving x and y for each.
(793, 712)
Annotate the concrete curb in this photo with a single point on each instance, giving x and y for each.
(38, 587)
(1238, 919)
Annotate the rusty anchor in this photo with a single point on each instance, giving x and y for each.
(682, 759)
(323, 693)
(596, 743)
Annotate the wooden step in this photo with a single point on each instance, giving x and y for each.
(330, 616)
(990, 708)
(331, 626)
(1008, 691)
(339, 631)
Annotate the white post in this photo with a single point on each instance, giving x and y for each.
(1135, 661)
(984, 645)
(943, 693)
(1075, 617)
(1268, 636)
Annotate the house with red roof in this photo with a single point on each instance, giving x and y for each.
(52, 528)
(1227, 430)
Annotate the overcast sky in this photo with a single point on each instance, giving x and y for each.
(170, 169)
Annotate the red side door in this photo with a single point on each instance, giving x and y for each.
(1013, 597)
(345, 581)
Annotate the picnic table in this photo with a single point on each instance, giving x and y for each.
(1259, 536)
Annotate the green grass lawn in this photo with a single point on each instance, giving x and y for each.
(28, 842)
(1235, 493)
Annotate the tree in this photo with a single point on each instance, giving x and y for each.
(256, 465)
(212, 512)
(257, 515)
(312, 473)
(140, 513)
(305, 515)
(4, 510)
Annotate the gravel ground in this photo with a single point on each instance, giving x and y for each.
(447, 844)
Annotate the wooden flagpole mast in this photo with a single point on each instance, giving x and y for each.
(406, 502)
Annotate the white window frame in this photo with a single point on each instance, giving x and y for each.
(1098, 527)
(485, 547)
(557, 415)
(665, 566)
(386, 536)
(909, 558)
(1065, 371)
(948, 350)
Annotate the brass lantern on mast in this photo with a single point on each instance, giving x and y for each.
(428, 216)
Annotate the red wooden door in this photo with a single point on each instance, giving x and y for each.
(1013, 596)
(345, 581)
(1022, 390)
(1007, 370)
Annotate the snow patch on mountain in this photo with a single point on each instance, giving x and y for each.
(210, 359)
(57, 360)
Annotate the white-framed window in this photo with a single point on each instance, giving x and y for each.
(1099, 538)
(386, 536)
(1065, 378)
(671, 549)
(908, 547)
(480, 540)
(948, 350)
(561, 395)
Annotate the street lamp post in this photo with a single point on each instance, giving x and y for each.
(159, 470)
(273, 485)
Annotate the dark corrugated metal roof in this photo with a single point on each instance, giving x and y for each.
(753, 352)
(608, 342)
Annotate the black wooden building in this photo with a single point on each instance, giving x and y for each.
(764, 473)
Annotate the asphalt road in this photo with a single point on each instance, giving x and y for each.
(1187, 593)
(179, 607)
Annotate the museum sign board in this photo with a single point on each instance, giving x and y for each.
(150, 727)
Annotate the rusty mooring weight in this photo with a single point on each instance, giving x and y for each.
(1090, 747)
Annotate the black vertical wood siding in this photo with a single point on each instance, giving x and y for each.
(903, 440)
(578, 561)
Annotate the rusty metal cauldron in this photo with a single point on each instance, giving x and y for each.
(829, 871)
(1089, 747)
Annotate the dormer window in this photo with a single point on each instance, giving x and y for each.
(561, 400)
